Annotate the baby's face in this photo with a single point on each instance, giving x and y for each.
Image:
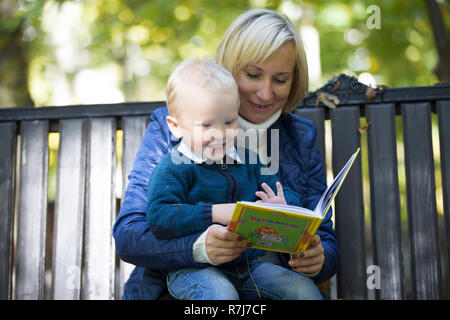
(209, 122)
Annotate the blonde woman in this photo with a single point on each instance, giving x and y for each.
(264, 53)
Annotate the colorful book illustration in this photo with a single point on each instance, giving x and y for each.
(285, 228)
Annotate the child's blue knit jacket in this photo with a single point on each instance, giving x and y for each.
(181, 193)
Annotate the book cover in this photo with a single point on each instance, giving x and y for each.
(284, 228)
(272, 228)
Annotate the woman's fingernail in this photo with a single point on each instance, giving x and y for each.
(301, 255)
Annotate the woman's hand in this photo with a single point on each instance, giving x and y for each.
(269, 196)
(311, 260)
(223, 246)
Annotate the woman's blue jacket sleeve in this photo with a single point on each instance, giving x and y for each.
(135, 243)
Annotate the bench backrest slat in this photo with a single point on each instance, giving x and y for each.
(443, 112)
(421, 201)
(316, 115)
(32, 210)
(133, 131)
(99, 253)
(7, 170)
(349, 207)
(69, 210)
(385, 200)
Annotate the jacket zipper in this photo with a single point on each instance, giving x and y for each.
(231, 180)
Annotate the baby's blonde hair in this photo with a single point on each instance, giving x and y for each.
(202, 74)
(253, 37)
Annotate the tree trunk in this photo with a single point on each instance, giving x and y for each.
(441, 39)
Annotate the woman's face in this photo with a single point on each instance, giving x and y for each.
(264, 87)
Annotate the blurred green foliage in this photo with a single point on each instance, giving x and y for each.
(45, 45)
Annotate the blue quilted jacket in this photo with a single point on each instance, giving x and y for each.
(300, 168)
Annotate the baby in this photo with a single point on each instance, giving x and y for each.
(199, 182)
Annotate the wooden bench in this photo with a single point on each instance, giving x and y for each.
(66, 250)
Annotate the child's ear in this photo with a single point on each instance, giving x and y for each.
(174, 126)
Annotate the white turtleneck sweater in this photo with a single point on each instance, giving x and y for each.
(261, 131)
(199, 249)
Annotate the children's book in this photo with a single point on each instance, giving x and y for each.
(284, 228)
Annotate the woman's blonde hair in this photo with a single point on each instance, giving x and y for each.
(253, 37)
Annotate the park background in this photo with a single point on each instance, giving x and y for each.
(56, 53)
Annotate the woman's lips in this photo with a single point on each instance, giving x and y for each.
(258, 107)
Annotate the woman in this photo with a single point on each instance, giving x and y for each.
(265, 55)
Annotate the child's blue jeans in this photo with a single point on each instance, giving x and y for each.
(213, 283)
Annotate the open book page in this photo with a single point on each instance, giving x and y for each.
(325, 200)
(285, 207)
(328, 196)
(284, 228)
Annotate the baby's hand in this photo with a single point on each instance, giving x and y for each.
(269, 196)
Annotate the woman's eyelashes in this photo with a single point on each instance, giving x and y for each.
(280, 81)
(276, 80)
